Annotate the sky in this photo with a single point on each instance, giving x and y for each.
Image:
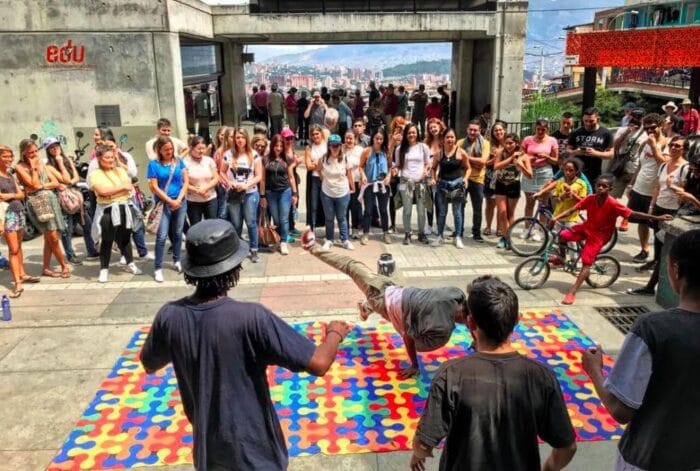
(546, 19)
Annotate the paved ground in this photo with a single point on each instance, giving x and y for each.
(66, 334)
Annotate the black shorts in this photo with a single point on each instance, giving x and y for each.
(511, 191)
(659, 211)
(640, 204)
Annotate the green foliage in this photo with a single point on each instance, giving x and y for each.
(542, 106)
(442, 66)
(609, 106)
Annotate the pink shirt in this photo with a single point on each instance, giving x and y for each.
(200, 174)
(392, 301)
(532, 147)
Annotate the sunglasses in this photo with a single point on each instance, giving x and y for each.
(650, 128)
(676, 146)
(288, 138)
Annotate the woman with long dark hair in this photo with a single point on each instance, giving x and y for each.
(278, 188)
(203, 178)
(375, 177)
(496, 141)
(168, 181)
(40, 181)
(413, 159)
(509, 165)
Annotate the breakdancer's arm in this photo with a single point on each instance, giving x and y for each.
(412, 370)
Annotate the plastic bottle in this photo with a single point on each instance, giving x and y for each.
(6, 312)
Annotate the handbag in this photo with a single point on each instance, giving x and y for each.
(153, 221)
(40, 203)
(267, 235)
(71, 200)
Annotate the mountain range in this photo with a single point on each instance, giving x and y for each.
(366, 56)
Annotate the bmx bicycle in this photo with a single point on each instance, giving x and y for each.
(534, 272)
(528, 236)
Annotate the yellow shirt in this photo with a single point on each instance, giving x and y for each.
(109, 178)
(477, 175)
(578, 187)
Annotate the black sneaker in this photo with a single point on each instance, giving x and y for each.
(646, 267)
(422, 238)
(645, 291)
(75, 260)
(92, 256)
(479, 239)
(641, 256)
(407, 239)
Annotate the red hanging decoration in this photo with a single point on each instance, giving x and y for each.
(657, 47)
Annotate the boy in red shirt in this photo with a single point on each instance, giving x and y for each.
(602, 211)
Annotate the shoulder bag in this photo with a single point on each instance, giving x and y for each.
(40, 202)
(153, 221)
(267, 235)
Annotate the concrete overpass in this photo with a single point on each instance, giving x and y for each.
(132, 58)
(657, 90)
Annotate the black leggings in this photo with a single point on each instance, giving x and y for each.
(110, 234)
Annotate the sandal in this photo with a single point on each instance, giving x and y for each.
(65, 273)
(30, 279)
(486, 232)
(16, 293)
(50, 273)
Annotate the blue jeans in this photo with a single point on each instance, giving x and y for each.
(279, 203)
(246, 211)
(172, 222)
(67, 234)
(139, 238)
(382, 200)
(336, 208)
(475, 192)
(457, 209)
(221, 204)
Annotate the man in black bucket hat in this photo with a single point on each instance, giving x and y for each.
(220, 349)
(425, 318)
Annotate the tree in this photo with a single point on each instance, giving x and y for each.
(609, 104)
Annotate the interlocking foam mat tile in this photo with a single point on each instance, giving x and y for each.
(358, 407)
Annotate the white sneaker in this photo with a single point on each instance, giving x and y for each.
(122, 261)
(437, 242)
(104, 275)
(177, 266)
(158, 275)
(536, 237)
(134, 269)
(524, 232)
(284, 250)
(458, 243)
(148, 256)
(428, 230)
(328, 244)
(348, 245)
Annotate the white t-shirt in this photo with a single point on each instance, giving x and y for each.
(417, 157)
(648, 171)
(335, 178)
(353, 158)
(317, 153)
(667, 199)
(244, 172)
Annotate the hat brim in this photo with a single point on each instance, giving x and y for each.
(204, 271)
(675, 108)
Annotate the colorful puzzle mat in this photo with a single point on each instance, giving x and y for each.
(359, 406)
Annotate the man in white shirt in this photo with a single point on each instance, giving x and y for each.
(164, 128)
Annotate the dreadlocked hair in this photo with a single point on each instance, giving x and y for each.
(215, 286)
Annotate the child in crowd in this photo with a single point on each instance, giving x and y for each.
(425, 318)
(602, 211)
(567, 191)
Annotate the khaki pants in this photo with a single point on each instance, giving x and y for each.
(619, 185)
(371, 284)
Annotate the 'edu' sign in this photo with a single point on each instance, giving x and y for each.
(67, 54)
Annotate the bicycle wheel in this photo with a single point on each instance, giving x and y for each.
(604, 272)
(527, 236)
(610, 243)
(532, 273)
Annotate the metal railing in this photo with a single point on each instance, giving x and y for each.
(368, 6)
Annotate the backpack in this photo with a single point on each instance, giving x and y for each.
(71, 200)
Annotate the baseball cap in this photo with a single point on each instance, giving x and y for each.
(629, 106)
(49, 141)
(334, 139)
(286, 132)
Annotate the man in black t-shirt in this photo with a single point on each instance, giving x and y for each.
(494, 425)
(566, 124)
(654, 386)
(220, 349)
(592, 144)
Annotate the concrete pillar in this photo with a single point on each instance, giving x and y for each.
(233, 95)
(482, 76)
(168, 66)
(462, 60)
(694, 92)
(506, 97)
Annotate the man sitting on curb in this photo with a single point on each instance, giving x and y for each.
(425, 318)
(221, 348)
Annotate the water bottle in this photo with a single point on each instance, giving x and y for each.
(6, 313)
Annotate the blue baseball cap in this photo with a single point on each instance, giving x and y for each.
(334, 139)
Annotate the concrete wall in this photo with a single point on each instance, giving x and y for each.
(482, 73)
